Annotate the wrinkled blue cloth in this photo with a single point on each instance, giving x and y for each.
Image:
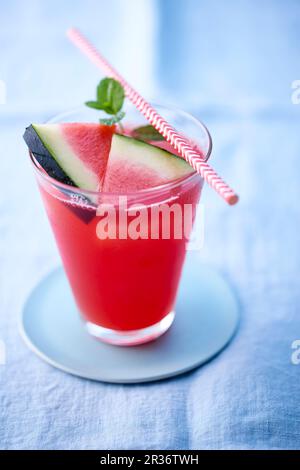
(232, 64)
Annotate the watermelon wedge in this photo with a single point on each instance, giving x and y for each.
(134, 165)
(72, 153)
(93, 157)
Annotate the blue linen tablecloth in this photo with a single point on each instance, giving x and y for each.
(232, 64)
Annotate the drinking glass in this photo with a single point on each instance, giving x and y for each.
(124, 275)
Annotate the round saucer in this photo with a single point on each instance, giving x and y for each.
(206, 319)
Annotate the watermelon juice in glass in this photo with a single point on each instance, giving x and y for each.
(125, 283)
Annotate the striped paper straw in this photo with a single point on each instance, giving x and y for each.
(179, 143)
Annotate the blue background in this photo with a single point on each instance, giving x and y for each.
(232, 64)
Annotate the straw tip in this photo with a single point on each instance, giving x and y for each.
(71, 31)
(232, 199)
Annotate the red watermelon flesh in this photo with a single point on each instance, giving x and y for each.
(91, 143)
(93, 157)
(135, 165)
(122, 176)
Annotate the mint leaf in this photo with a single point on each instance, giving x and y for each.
(147, 133)
(93, 104)
(110, 98)
(113, 120)
(110, 95)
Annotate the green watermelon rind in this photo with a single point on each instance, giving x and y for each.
(176, 165)
(65, 157)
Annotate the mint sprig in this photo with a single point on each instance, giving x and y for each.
(147, 133)
(110, 98)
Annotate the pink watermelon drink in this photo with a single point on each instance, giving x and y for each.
(125, 287)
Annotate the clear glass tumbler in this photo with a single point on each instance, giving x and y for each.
(125, 277)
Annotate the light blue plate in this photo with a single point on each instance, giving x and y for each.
(206, 319)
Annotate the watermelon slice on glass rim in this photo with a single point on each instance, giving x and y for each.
(94, 157)
(72, 153)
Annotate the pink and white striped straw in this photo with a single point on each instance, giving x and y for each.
(178, 142)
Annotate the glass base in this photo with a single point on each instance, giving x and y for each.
(131, 337)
